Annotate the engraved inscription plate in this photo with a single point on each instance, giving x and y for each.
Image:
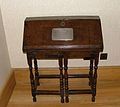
(62, 34)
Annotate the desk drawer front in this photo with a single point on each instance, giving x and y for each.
(77, 54)
(56, 54)
(47, 55)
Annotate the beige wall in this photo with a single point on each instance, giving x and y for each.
(5, 67)
(15, 11)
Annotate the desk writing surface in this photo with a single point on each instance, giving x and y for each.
(87, 33)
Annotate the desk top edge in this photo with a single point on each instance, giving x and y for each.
(62, 18)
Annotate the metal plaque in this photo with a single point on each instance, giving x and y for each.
(62, 34)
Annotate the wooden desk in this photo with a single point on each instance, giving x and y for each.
(86, 43)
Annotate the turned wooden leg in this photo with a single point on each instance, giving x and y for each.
(61, 79)
(36, 72)
(95, 78)
(91, 72)
(66, 80)
(32, 80)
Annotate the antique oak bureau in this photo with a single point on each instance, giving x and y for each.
(63, 38)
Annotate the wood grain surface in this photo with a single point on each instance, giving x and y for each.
(108, 89)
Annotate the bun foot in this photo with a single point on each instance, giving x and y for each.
(67, 99)
(34, 99)
(62, 100)
(93, 99)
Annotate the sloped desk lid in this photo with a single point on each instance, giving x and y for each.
(38, 32)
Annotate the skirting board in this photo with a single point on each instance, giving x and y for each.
(7, 91)
(56, 68)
